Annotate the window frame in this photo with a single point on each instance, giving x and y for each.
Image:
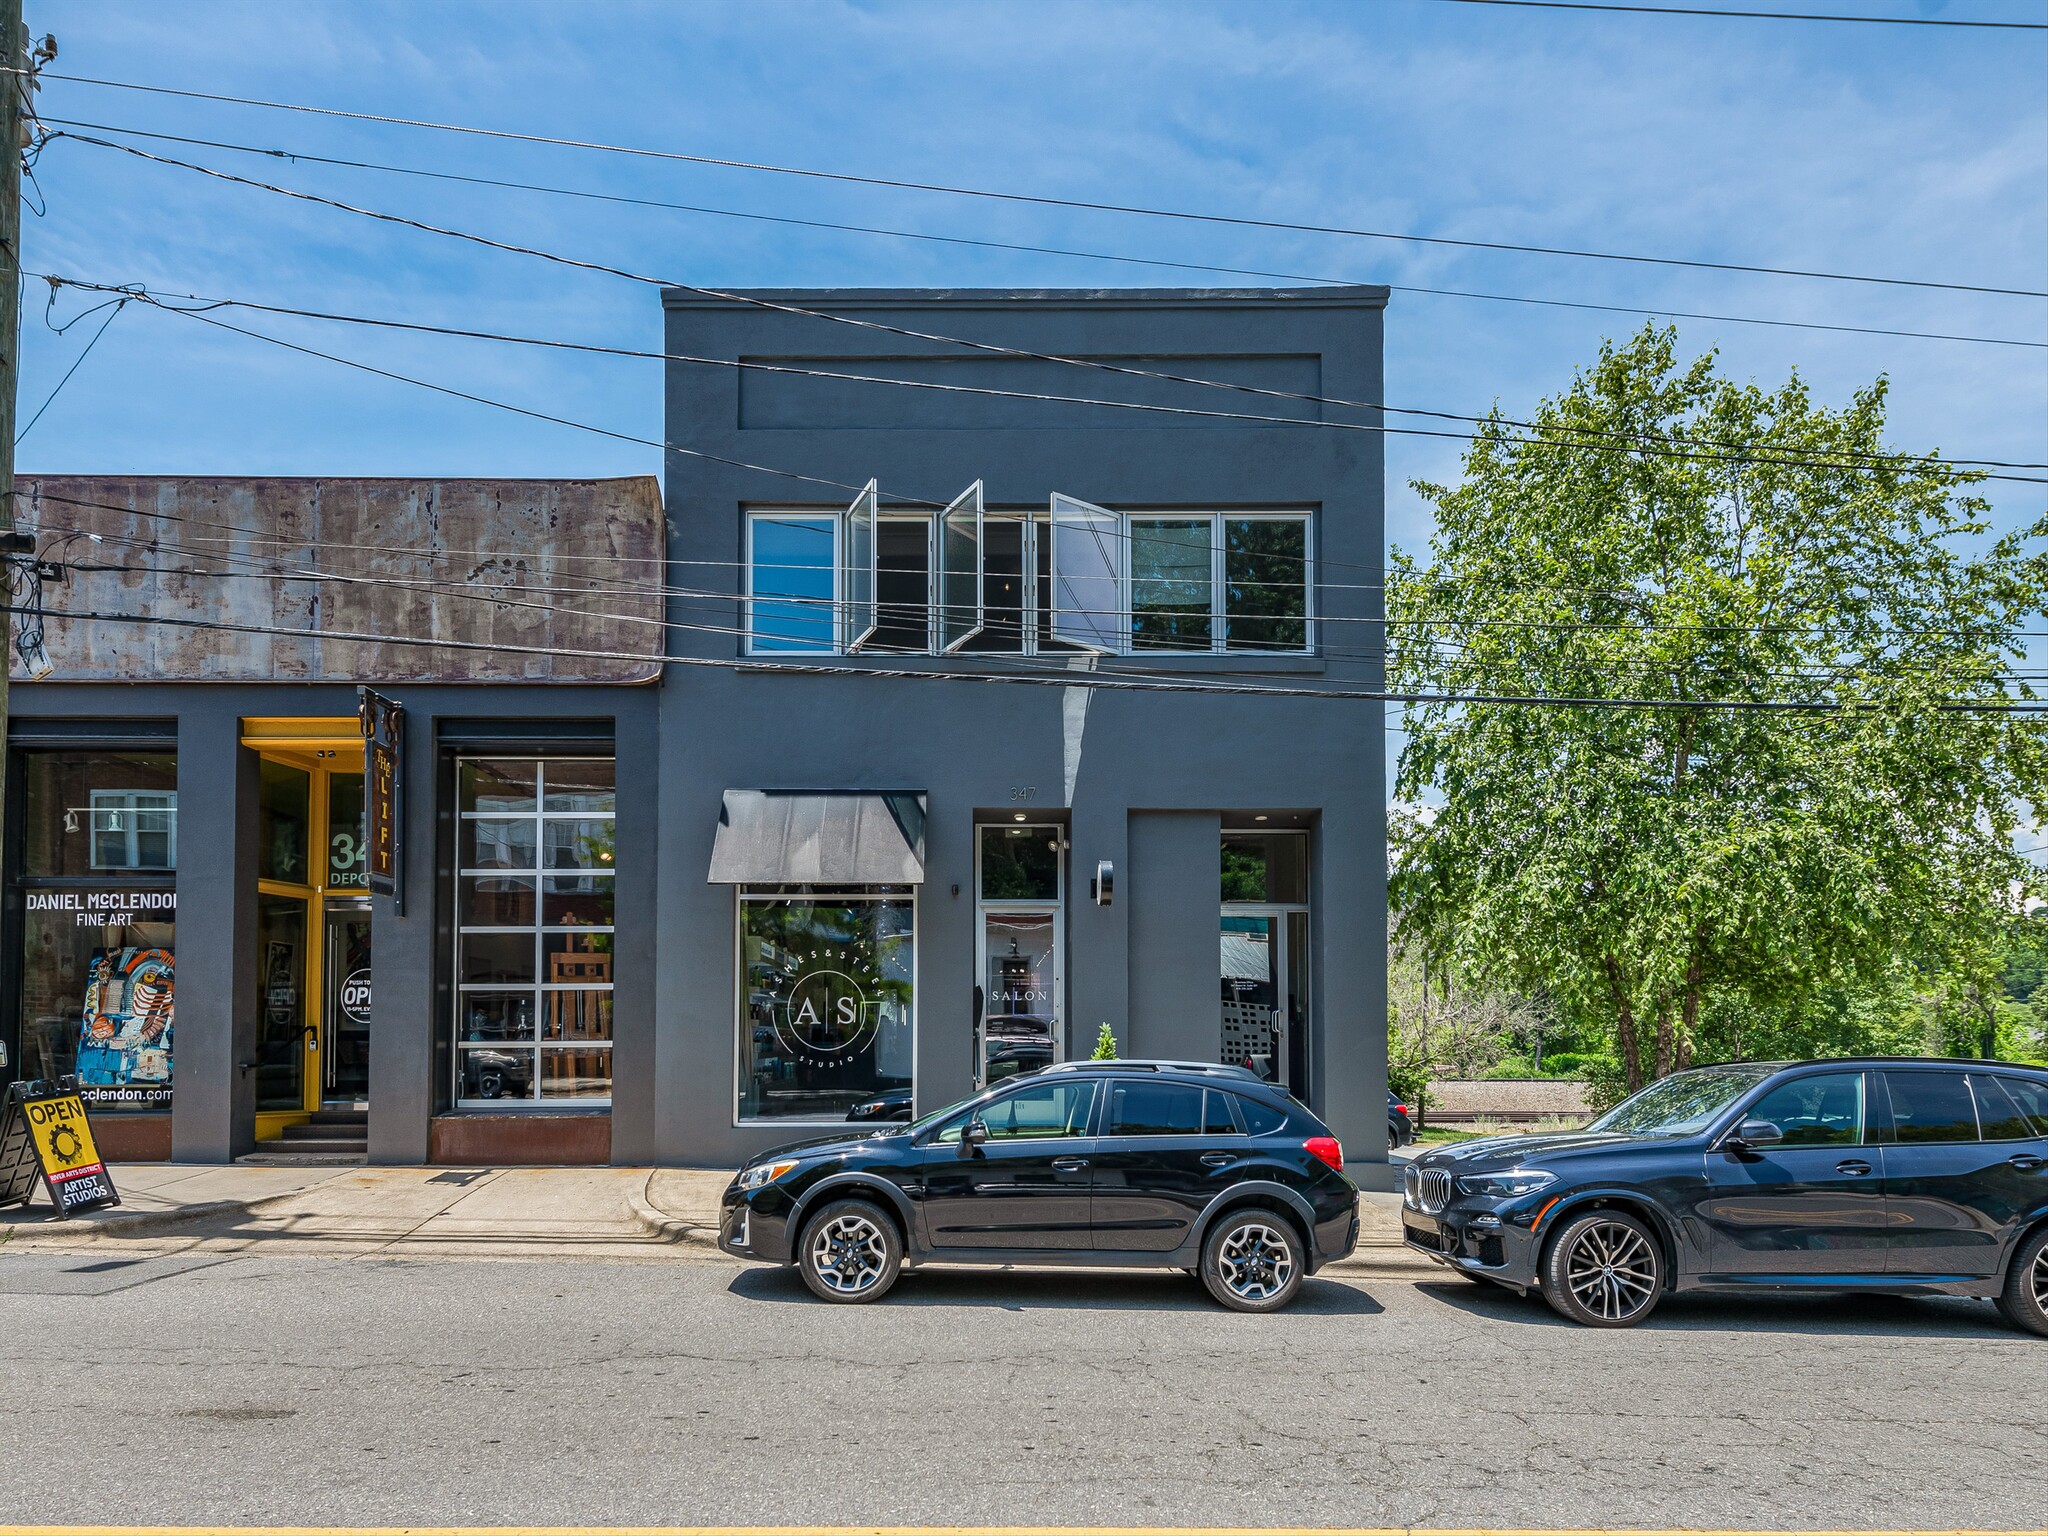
(540, 931)
(1039, 613)
(750, 633)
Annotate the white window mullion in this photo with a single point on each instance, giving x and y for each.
(1219, 621)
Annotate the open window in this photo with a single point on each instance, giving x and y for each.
(961, 612)
(857, 615)
(1086, 602)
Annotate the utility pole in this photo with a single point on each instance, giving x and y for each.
(13, 101)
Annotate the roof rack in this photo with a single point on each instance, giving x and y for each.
(1206, 1068)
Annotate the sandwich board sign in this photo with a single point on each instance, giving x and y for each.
(45, 1134)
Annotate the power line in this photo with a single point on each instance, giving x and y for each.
(1060, 678)
(702, 596)
(902, 184)
(1603, 441)
(1692, 10)
(756, 301)
(118, 306)
(1039, 250)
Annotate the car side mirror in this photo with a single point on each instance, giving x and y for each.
(1752, 1134)
(972, 1135)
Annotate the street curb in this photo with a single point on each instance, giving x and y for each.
(672, 1229)
(142, 1223)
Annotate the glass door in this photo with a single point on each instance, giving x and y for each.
(1020, 891)
(345, 1043)
(285, 1042)
(1265, 994)
(1020, 993)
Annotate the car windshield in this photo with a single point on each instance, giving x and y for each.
(1682, 1104)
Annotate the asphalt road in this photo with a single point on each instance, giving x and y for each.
(198, 1388)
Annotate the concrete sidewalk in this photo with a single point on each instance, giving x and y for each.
(359, 1212)
(600, 1213)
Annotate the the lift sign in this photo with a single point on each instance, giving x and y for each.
(71, 1164)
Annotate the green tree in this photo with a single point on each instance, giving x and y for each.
(1658, 531)
(1105, 1043)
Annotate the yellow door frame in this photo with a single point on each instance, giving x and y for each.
(317, 747)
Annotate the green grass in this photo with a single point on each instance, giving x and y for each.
(1437, 1135)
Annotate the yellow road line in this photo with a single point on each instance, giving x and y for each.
(934, 1530)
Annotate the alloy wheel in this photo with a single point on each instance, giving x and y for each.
(2040, 1278)
(1612, 1270)
(1257, 1262)
(849, 1254)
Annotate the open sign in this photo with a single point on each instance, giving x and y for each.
(355, 996)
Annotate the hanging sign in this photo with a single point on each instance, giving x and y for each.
(384, 792)
(44, 1132)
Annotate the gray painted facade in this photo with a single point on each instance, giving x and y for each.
(1144, 781)
(1158, 774)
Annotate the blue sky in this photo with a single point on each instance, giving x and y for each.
(1890, 150)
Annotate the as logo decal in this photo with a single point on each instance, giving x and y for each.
(832, 1007)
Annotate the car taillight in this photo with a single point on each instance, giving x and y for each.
(1400, 1109)
(1325, 1149)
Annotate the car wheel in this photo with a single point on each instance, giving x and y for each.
(1394, 1135)
(2025, 1299)
(850, 1252)
(1252, 1261)
(1604, 1269)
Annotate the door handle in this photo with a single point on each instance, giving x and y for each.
(1218, 1159)
(1854, 1167)
(1070, 1164)
(2026, 1162)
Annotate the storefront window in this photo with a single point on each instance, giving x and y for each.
(97, 969)
(534, 909)
(284, 819)
(92, 813)
(348, 862)
(826, 1002)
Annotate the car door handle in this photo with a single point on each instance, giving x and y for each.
(2026, 1162)
(1070, 1164)
(1218, 1159)
(1854, 1167)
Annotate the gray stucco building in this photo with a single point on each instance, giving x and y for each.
(877, 796)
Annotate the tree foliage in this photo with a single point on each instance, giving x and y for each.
(1660, 532)
(1439, 1024)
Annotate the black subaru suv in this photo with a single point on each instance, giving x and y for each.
(1901, 1175)
(1128, 1164)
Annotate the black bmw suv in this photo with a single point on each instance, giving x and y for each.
(1130, 1164)
(1900, 1175)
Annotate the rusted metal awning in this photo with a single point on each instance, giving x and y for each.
(776, 837)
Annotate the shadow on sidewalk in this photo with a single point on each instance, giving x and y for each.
(1038, 1290)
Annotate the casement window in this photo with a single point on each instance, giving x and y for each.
(1078, 577)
